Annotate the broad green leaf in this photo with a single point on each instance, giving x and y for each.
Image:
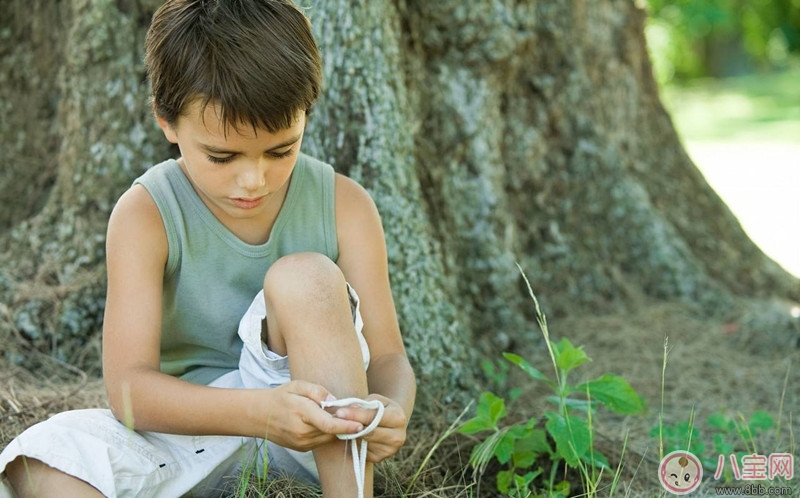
(530, 476)
(523, 482)
(491, 408)
(475, 425)
(526, 367)
(528, 449)
(568, 356)
(580, 405)
(761, 421)
(571, 435)
(597, 459)
(535, 440)
(562, 488)
(614, 392)
(519, 431)
(721, 445)
(505, 448)
(524, 459)
(698, 447)
(719, 421)
(504, 479)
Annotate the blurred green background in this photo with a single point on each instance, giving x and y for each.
(729, 72)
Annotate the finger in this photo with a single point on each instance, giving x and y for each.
(328, 424)
(361, 415)
(314, 392)
(376, 453)
(307, 443)
(393, 437)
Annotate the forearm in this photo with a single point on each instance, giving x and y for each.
(150, 400)
(393, 377)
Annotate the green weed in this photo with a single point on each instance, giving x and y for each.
(727, 435)
(563, 436)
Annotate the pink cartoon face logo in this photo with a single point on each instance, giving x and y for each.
(680, 472)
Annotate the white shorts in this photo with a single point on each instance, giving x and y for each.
(93, 446)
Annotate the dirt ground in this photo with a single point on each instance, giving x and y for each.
(708, 371)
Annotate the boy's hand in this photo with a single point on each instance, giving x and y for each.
(390, 434)
(298, 422)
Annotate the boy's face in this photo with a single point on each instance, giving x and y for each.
(240, 174)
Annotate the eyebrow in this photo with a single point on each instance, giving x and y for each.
(220, 150)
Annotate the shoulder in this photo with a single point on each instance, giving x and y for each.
(158, 173)
(135, 205)
(358, 224)
(136, 223)
(349, 191)
(353, 203)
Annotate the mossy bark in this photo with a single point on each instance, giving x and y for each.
(489, 132)
(78, 107)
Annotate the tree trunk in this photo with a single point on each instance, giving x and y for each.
(488, 132)
(78, 130)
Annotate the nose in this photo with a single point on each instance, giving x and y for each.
(252, 176)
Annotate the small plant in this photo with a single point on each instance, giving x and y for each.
(253, 479)
(681, 436)
(729, 436)
(563, 434)
(728, 430)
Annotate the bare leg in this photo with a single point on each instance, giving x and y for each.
(32, 478)
(309, 318)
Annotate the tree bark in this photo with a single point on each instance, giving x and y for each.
(76, 103)
(488, 132)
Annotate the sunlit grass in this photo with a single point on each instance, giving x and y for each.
(752, 107)
(744, 135)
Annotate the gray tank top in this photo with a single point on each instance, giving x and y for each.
(212, 276)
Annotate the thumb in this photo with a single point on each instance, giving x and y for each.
(314, 392)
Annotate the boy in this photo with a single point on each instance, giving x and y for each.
(192, 362)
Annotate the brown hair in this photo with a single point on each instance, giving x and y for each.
(256, 59)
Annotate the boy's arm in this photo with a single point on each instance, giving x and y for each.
(363, 260)
(146, 399)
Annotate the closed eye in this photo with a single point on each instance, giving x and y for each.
(281, 155)
(220, 160)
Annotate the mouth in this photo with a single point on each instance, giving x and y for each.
(247, 202)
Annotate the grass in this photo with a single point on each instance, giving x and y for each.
(707, 371)
(753, 107)
(743, 135)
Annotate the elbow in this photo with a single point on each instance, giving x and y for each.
(120, 402)
(125, 390)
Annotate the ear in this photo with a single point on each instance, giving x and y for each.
(168, 129)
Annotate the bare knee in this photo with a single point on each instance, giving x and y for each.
(305, 294)
(304, 277)
(32, 478)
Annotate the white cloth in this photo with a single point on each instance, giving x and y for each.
(93, 446)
